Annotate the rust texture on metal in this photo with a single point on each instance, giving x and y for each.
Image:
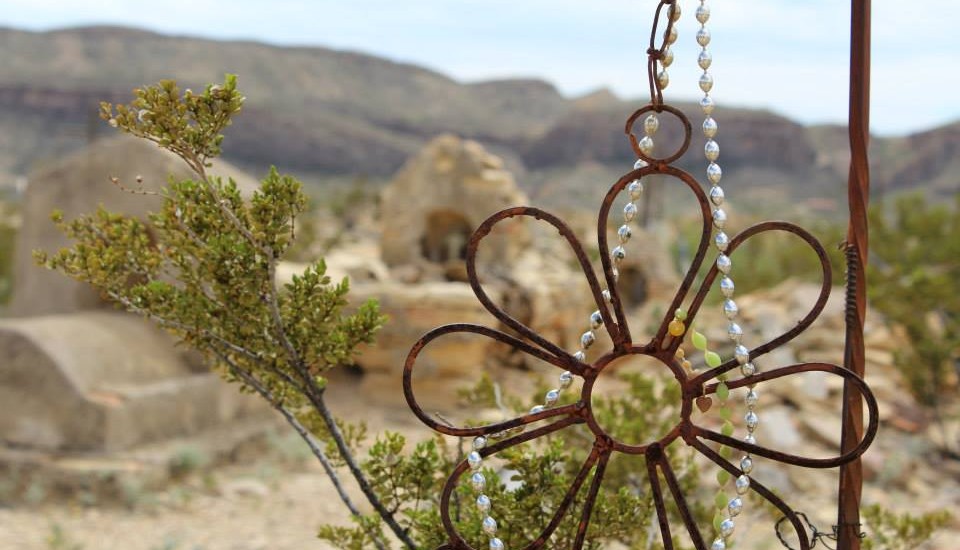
(662, 346)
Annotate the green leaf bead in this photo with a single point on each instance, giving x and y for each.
(723, 477)
(720, 500)
(713, 359)
(723, 392)
(726, 413)
(680, 314)
(726, 452)
(727, 428)
(699, 341)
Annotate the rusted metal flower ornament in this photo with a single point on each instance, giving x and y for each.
(697, 387)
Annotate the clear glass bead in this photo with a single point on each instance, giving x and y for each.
(630, 212)
(664, 79)
(752, 420)
(703, 37)
(751, 439)
(714, 173)
(743, 485)
(724, 264)
(635, 189)
(742, 354)
(478, 481)
(624, 233)
(706, 82)
(606, 293)
(474, 460)
(489, 525)
(727, 287)
(752, 398)
(734, 332)
(566, 379)
(479, 442)
(718, 544)
(618, 254)
(726, 527)
(587, 339)
(596, 320)
(537, 409)
(716, 195)
(735, 507)
(705, 59)
(651, 124)
(667, 58)
(722, 241)
(707, 105)
(646, 145)
(746, 464)
(710, 127)
(580, 356)
(730, 308)
(551, 398)
(703, 13)
(719, 218)
(496, 544)
(671, 36)
(748, 369)
(640, 164)
(711, 150)
(483, 503)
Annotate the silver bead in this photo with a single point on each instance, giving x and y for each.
(580, 356)
(748, 369)
(566, 379)
(707, 105)
(671, 37)
(742, 354)
(705, 59)
(746, 464)
(703, 13)
(743, 485)
(640, 164)
(722, 241)
(651, 124)
(714, 173)
(711, 150)
(718, 544)
(624, 233)
(618, 254)
(615, 273)
(751, 439)
(752, 420)
(489, 525)
(635, 189)
(587, 339)
(716, 195)
(735, 333)
(483, 503)
(727, 287)
(726, 527)
(667, 58)
(474, 460)
(675, 11)
(606, 295)
(537, 409)
(646, 143)
(496, 544)
(664, 79)
(751, 398)
(735, 507)
(596, 320)
(629, 212)
(730, 308)
(724, 264)
(551, 397)
(719, 218)
(710, 126)
(478, 481)
(703, 37)
(479, 442)
(706, 82)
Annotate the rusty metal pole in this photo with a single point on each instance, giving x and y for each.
(858, 188)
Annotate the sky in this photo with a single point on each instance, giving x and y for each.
(788, 56)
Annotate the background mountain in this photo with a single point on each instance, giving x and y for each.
(332, 115)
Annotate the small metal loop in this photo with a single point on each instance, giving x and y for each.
(659, 108)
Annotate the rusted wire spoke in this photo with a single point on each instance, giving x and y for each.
(758, 488)
(526, 332)
(456, 540)
(681, 501)
(850, 379)
(653, 455)
(802, 325)
(591, 499)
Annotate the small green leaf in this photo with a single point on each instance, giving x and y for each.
(712, 358)
(699, 341)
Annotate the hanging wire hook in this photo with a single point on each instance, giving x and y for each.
(816, 535)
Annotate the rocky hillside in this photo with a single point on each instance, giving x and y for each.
(322, 112)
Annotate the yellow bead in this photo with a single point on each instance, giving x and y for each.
(676, 328)
(686, 364)
(680, 353)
